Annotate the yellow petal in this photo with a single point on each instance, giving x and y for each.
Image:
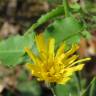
(51, 49)
(76, 68)
(41, 45)
(79, 67)
(59, 58)
(51, 67)
(52, 71)
(82, 60)
(70, 60)
(29, 66)
(31, 55)
(64, 80)
(69, 71)
(60, 50)
(40, 42)
(72, 50)
(73, 69)
(34, 69)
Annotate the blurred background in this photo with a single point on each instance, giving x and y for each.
(16, 16)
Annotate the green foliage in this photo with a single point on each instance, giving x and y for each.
(75, 6)
(62, 90)
(27, 88)
(92, 91)
(67, 90)
(12, 49)
(54, 13)
(54, 1)
(86, 34)
(68, 29)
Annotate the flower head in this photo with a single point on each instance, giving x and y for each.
(51, 66)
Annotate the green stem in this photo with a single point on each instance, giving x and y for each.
(52, 89)
(51, 86)
(65, 3)
(92, 89)
(31, 28)
(88, 86)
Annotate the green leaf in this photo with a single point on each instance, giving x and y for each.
(86, 34)
(75, 6)
(52, 14)
(67, 29)
(12, 49)
(62, 90)
(71, 88)
(92, 91)
(29, 88)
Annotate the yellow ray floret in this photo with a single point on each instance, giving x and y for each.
(54, 67)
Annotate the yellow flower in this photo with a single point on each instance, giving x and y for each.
(51, 67)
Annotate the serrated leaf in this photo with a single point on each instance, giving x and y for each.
(12, 49)
(67, 29)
